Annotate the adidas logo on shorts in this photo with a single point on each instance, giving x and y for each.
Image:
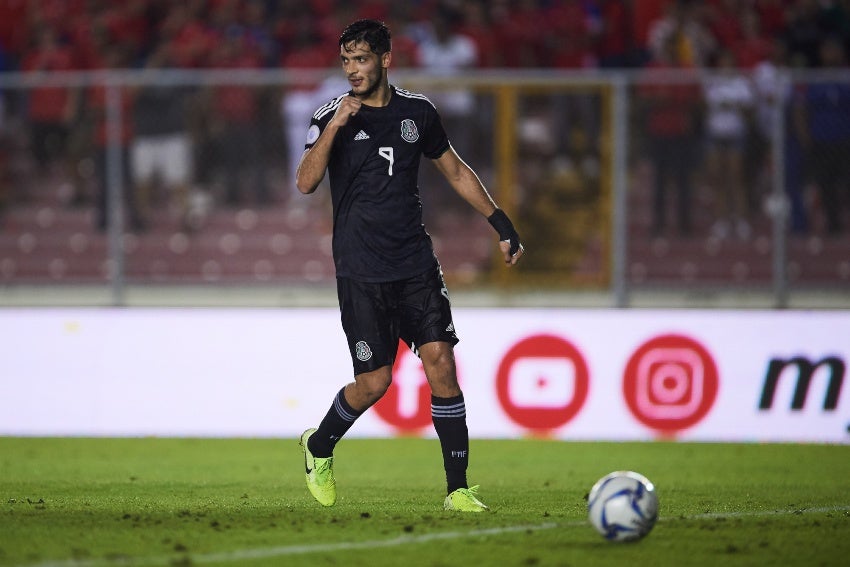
(361, 135)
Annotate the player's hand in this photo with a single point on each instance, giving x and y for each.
(510, 259)
(509, 241)
(348, 107)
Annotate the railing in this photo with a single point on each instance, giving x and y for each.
(574, 157)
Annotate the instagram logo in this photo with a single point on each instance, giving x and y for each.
(670, 383)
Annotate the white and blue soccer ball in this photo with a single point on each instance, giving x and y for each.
(623, 506)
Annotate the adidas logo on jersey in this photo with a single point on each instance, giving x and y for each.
(361, 135)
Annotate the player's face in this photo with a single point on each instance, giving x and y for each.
(363, 69)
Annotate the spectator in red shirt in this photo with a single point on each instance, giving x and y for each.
(669, 112)
(287, 23)
(13, 32)
(477, 26)
(772, 16)
(51, 109)
(724, 21)
(516, 35)
(127, 24)
(615, 40)
(568, 29)
(753, 47)
(305, 51)
(114, 58)
(191, 38)
(234, 121)
(372, 10)
(645, 13)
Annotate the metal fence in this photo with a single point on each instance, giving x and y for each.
(619, 181)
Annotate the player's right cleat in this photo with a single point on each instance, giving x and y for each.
(465, 500)
(320, 473)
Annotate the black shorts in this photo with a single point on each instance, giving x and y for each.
(376, 315)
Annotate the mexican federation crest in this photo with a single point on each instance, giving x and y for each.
(408, 130)
(362, 350)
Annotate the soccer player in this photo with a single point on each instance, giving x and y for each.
(389, 281)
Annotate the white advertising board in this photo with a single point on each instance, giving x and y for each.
(569, 374)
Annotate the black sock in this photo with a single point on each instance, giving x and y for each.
(449, 416)
(337, 421)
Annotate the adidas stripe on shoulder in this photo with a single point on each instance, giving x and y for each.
(408, 94)
(329, 107)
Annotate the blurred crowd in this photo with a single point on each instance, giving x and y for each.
(188, 138)
(80, 34)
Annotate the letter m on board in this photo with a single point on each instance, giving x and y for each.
(805, 370)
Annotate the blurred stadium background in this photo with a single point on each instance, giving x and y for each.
(653, 152)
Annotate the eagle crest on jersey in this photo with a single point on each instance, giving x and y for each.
(409, 133)
(362, 351)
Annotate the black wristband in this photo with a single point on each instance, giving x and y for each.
(503, 225)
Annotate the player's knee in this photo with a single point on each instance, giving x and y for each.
(442, 368)
(439, 366)
(372, 386)
(376, 391)
(438, 359)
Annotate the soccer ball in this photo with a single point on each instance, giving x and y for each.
(623, 506)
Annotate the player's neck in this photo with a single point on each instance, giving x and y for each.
(379, 97)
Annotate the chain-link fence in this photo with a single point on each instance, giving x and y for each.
(618, 181)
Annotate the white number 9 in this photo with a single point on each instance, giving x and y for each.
(386, 152)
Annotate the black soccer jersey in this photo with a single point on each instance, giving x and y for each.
(373, 171)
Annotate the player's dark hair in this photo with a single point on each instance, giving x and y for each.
(371, 32)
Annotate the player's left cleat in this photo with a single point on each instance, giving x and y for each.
(320, 473)
(465, 500)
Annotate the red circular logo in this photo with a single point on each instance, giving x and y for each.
(542, 382)
(670, 383)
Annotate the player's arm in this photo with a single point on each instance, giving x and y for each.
(314, 160)
(468, 185)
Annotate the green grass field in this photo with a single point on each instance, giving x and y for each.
(98, 502)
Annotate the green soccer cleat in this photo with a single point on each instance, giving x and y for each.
(320, 473)
(465, 500)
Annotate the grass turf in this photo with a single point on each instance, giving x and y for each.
(99, 502)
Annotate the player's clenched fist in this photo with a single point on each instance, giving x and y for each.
(348, 107)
